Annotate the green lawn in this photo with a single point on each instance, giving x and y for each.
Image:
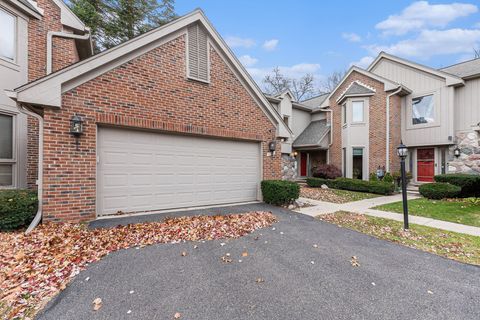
(354, 195)
(452, 245)
(458, 211)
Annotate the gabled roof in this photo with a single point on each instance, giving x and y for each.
(464, 70)
(28, 7)
(68, 18)
(388, 84)
(316, 101)
(313, 135)
(356, 89)
(47, 91)
(451, 80)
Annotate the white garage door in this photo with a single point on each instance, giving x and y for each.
(144, 171)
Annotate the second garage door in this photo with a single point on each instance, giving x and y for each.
(144, 171)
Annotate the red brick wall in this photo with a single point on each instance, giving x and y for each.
(64, 51)
(377, 124)
(152, 92)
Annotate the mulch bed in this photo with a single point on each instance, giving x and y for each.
(35, 267)
(322, 195)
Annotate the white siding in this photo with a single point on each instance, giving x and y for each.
(467, 105)
(422, 83)
(300, 120)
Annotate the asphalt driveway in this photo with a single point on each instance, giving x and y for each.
(155, 282)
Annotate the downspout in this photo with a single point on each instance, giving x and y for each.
(59, 34)
(38, 215)
(387, 142)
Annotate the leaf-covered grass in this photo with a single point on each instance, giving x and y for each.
(454, 210)
(452, 245)
(35, 267)
(334, 195)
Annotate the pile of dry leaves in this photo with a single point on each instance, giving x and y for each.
(322, 195)
(35, 267)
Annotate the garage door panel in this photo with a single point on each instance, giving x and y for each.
(143, 171)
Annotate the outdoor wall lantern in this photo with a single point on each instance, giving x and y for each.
(272, 145)
(456, 152)
(402, 152)
(76, 127)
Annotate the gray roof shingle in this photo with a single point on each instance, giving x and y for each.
(356, 88)
(464, 69)
(312, 134)
(315, 101)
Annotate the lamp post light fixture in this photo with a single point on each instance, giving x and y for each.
(456, 152)
(402, 152)
(76, 127)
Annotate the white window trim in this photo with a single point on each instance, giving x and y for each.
(344, 115)
(436, 110)
(187, 73)
(363, 111)
(15, 37)
(12, 161)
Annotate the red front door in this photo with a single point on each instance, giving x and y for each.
(425, 164)
(303, 164)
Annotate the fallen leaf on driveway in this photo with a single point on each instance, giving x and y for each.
(97, 304)
(260, 280)
(430, 292)
(177, 315)
(35, 267)
(354, 262)
(245, 254)
(226, 259)
(184, 254)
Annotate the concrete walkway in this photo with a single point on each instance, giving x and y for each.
(363, 206)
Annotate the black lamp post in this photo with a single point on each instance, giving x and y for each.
(402, 152)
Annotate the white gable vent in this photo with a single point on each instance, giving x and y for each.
(197, 54)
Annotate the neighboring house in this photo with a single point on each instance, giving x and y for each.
(436, 113)
(170, 119)
(36, 38)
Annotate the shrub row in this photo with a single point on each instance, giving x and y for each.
(439, 190)
(17, 208)
(279, 192)
(376, 187)
(469, 184)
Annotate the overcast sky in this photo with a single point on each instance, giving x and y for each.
(319, 37)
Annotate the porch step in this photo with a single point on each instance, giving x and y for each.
(301, 181)
(412, 188)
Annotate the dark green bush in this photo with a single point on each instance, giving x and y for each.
(279, 192)
(469, 183)
(439, 190)
(373, 176)
(318, 182)
(377, 187)
(387, 178)
(17, 208)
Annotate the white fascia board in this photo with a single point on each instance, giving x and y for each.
(48, 90)
(68, 18)
(450, 80)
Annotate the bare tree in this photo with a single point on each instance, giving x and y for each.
(331, 82)
(301, 88)
(476, 53)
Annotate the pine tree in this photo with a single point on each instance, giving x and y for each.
(115, 21)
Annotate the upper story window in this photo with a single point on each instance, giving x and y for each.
(423, 110)
(357, 111)
(344, 113)
(285, 120)
(7, 160)
(7, 35)
(198, 66)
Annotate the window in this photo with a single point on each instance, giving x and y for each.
(6, 150)
(197, 53)
(7, 35)
(344, 114)
(344, 158)
(357, 163)
(423, 110)
(285, 119)
(357, 111)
